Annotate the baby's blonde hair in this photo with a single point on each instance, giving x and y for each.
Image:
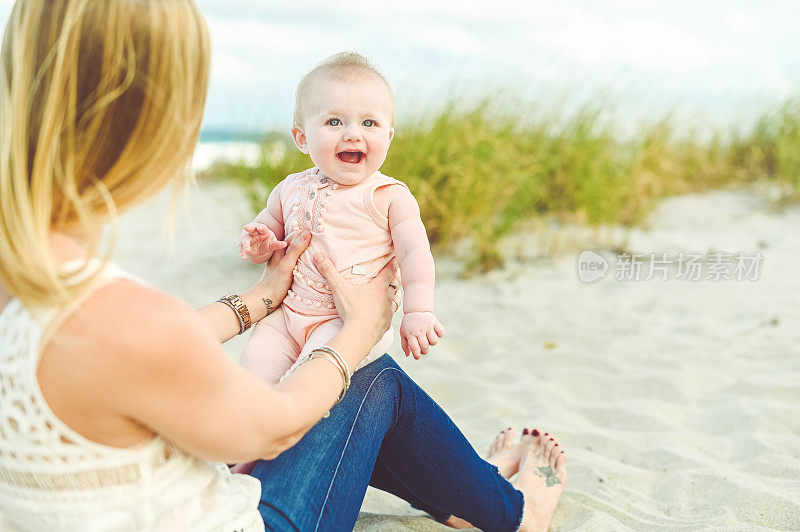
(101, 104)
(344, 66)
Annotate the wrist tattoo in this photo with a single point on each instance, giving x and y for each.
(269, 304)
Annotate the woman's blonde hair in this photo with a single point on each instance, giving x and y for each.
(101, 103)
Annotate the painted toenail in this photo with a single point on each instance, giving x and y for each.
(525, 431)
(535, 432)
(551, 439)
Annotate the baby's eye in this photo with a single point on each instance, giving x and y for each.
(369, 123)
(334, 122)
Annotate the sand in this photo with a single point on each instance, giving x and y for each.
(678, 401)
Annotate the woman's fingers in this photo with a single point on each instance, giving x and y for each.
(393, 289)
(291, 253)
(328, 270)
(393, 294)
(366, 305)
(387, 274)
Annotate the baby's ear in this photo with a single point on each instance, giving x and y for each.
(391, 134)
(299, 138)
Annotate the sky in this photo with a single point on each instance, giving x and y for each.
(716, 60)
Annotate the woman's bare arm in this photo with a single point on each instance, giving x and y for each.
(177, 380)
(164, 368)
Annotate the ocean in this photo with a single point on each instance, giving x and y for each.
(220, 145)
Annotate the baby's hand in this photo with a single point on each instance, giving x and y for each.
(419, 331)
(258, 243)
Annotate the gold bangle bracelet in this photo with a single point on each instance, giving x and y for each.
(329, 358)
(335, 354)
(342, 368)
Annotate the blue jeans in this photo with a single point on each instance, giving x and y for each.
(389, 434)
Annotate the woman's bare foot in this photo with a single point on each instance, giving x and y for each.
(541, 479)
(503, 454)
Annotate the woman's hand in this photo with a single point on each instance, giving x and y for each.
(277, 276)
(265, 296)
(368, 306)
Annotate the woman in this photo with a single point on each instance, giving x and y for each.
(118, 405)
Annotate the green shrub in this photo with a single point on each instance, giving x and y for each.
(477, 172)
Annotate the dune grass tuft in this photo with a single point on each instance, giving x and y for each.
(477, 172)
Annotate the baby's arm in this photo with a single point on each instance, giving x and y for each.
(419, 329)
(265, 234)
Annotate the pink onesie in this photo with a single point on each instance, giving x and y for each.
(347, 227)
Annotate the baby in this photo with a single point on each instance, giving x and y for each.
(360, 218)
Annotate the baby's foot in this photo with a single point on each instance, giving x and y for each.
(541, 479)
(503, 454)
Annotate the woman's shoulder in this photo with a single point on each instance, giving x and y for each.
(134, 316)
(97, 363)
(124, 328)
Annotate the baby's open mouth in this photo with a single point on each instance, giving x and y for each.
(351, 157)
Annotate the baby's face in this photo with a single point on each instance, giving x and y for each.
(347, 128)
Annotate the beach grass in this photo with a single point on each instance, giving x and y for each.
(478, 171)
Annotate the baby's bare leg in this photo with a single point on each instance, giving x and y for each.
(321, 336)
(270, 351)
(329, 329)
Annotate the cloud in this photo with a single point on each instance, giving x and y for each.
(642, 51)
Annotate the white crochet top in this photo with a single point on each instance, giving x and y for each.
(52, 478)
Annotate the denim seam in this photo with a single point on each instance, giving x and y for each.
(344, 447)
(279, 512)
